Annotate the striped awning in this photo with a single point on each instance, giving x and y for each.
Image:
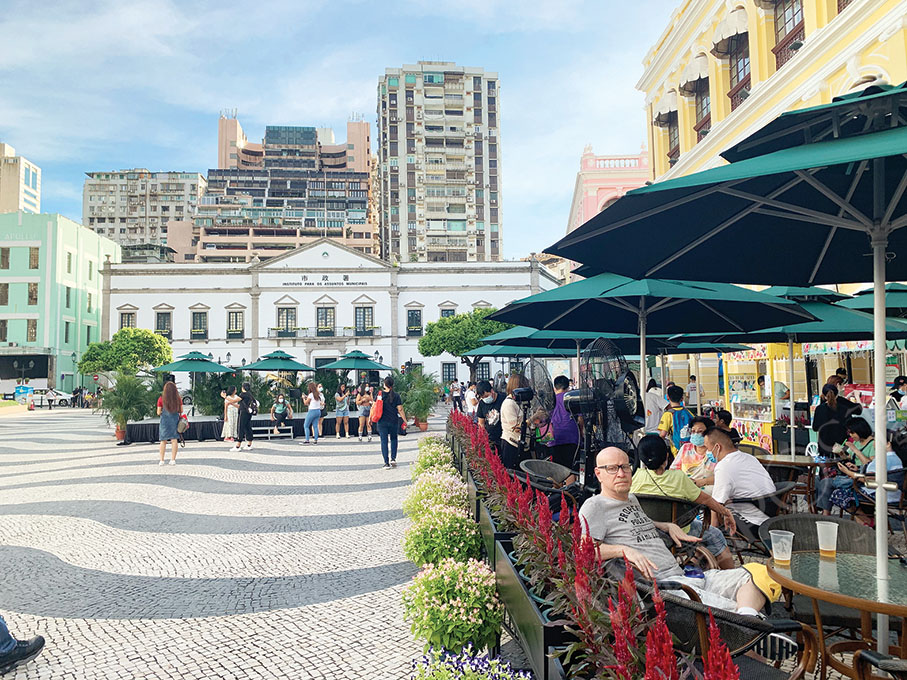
(698, 68)
(733, 24)
(664, 107)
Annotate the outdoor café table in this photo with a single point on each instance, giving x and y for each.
(847, 580)
(807, 462)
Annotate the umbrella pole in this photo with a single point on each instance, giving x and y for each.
(664, 372)
(642, 343)
(790, 380)
(879, 244)
(698, 391)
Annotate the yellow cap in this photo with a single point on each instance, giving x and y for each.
(770, 588)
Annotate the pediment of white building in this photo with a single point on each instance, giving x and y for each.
(481, 304)
(413, 305)
(363, 300)
(287, 301)
(199, 307)
(163, 307)
(321, 254)
(325, 301)
(235, 306)
(448, 304)
(127, 308)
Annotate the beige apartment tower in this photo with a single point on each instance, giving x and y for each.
(439, 157)
(20, 182)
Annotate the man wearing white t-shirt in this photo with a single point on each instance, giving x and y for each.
(738, 475)
(694, 392)
(472, 401)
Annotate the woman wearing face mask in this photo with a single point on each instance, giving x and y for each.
(280, 412)
(896, 398)
(364, 404)
(694, 458)
(324, 411)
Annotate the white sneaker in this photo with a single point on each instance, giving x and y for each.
(161, 463)
(172, 462)
(360, 438)
(249, 445)
(235, 448)
(370, 437)
(338, 435)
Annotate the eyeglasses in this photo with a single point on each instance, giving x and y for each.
(612, 469)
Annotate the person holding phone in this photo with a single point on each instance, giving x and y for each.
(860, 449)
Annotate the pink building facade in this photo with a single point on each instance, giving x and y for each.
(601, 180)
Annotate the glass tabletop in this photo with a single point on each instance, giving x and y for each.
(845, 577)
(799, 461)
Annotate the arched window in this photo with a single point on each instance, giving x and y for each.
(739, 58)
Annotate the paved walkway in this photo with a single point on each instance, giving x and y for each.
(280, 562)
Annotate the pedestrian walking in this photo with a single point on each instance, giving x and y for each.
(389, 423)
(280, 411)
(15, 652)
(231, 414)
(456, 396)
(248, 407)
(342, 410)
(315, 401)
(472, 401)
(364, 404)
(170, 410)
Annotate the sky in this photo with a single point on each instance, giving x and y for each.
(113, 85)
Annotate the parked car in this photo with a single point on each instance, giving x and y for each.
(187, 397)
(43, 395)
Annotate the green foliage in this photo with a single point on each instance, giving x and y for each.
(433, 454)
(453, 604)
(206, 393)
(128, 350)
(129, 398)
(422, 394)
(459, 333)
(435, 488)
(440, 532)
(330, 381)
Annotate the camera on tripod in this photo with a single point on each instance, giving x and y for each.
(522, 395)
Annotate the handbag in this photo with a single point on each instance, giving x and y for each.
(377, 409)
(182, 425)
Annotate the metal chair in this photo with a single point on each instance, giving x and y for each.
(896, 510)
(867, 659)
(812, 449)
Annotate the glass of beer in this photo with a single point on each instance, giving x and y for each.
(828, 539)
(782, 546)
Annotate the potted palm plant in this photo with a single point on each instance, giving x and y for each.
(421, 396)
(127, 399)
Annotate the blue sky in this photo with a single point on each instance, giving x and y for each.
(140, 83)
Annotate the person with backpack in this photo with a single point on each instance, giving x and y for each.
(315, 401)
(248, 407)
(675, 422)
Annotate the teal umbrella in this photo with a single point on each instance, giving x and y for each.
(610, 303)
(523, 336)
(511, 351)
(895, 300)
(277, 361)
(194, 362)
(355, 361)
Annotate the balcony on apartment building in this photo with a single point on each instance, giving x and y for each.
(311, 332)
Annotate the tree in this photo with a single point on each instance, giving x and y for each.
(128, 350)
(458, 334)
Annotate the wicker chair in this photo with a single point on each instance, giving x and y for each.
(773, 504)
(680, 512)
(753, 449)
(865, 660)
(688, 621)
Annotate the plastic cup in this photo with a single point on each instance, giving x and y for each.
(782, 546)
(828, 538)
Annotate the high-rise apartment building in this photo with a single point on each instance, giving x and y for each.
(439, 162)
(134, 206)
(293, 146)
(259, 213)
(20, 182)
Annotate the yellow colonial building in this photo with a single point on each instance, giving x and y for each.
(722, 69)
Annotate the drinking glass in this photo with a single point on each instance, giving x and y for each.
(782, 546)
(828, 538)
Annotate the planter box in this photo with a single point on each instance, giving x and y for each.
(491, 534)
(556, 669)
(534, 633)
(474, 495)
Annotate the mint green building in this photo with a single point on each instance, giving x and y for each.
(50, 297)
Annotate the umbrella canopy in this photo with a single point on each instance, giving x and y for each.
(512, 351)
(524, 336)
(194, 362)
(706, 348)
(355, 361)
(277, 361)
(895, 300)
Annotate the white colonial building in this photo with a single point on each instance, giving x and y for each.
(316, 302)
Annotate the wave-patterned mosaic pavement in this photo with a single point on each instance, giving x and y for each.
(280, 562)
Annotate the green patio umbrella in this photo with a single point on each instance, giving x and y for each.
(523, 336)
(513, 351)
(355, 361)
(895, 300)
(277, 361)
(610, 303)
(192, 363)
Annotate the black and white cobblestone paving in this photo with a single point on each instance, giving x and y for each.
(280, 562)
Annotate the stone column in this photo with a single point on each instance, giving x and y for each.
(394, 296)
(104, 305)
(255, 295)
